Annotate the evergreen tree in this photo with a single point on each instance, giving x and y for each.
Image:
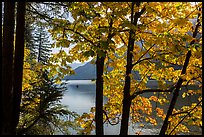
(41, 44)
(41, 110)
(29, 39)
(38, 42)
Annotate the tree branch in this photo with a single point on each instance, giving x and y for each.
(58, 4)
(188, 114)
(107, 119)
(45, 17)
(150, 90)
(81, 36)
(122, 39)
(181, 112)
(139, 60)
(170, 62)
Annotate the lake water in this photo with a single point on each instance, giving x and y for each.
(80, 97)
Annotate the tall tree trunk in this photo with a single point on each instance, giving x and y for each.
(126, 91)
(99, 84)
(126, 106)
(7, 68)
(1, 108)
(99, 95)
(18, 63)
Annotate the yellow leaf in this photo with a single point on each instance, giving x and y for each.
(83, 125)
(141, 125)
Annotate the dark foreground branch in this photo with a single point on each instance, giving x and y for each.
(151, 90)
(108, 119)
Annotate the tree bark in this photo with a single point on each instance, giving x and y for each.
(99, 83)
(18, 63)
(126, 91)
(99, 95)
(1, 80)
(7, 68)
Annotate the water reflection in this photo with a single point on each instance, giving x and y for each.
(80, 97)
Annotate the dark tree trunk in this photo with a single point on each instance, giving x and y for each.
(99, 95)
(99, 84)
(126, 91)
(7, 68)
(18, 62)
(1, 80)
(126, 107)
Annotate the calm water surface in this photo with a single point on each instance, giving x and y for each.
(80, 97)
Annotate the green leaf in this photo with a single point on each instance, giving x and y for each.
(89, 53)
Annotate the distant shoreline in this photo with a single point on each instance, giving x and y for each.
(80, 79)
(149, 84)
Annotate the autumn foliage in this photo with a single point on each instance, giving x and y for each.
(140, 42)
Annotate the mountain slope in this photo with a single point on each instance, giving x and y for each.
(76, 65)
(88, 72)
(85, 72)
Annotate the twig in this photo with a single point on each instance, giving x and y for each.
(107, 119)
